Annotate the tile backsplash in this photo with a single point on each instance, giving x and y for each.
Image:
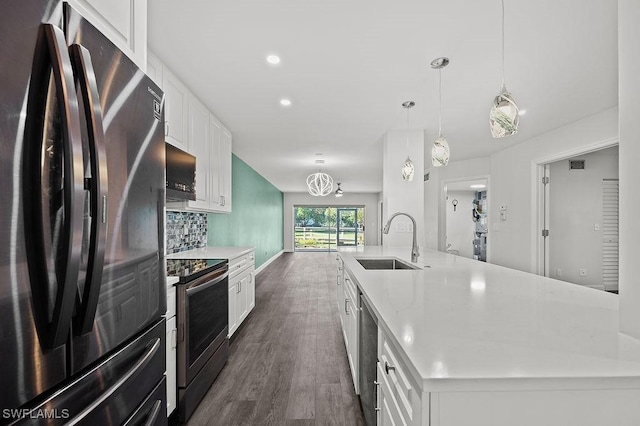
(185, 231)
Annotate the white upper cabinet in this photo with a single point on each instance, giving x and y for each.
(124, 22)
(190, 126)
(199, 145)
(175, 109)
(224, 166)
(154, 68)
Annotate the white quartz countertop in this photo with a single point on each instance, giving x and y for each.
(467, 325)
(211, 253)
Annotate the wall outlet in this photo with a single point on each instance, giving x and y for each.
(400, 227)
(503, 216)
(596, 227)
(503, 207)
(558, 272)
(582, 272)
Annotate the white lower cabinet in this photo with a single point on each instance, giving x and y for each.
(172, 350)
(349, 312)
(241, 289)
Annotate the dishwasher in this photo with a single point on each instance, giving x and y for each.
(368, 359)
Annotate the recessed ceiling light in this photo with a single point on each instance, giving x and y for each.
(273, 59)
(478, 186)
(285, 102)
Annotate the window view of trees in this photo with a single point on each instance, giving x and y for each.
(326, 228)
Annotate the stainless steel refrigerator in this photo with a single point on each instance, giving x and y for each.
(82, 190)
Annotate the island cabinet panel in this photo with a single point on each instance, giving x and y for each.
(403, 403)
(535, 408)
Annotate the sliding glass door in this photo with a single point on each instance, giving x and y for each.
(324, 228)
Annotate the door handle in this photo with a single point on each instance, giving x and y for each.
(153, 413)
(98, 187)
(51, 56)
(142, 361)
(346, 306)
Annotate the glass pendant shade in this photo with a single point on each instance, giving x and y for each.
(440, 152)
(408, 170)
(319, 184)
(504, 117)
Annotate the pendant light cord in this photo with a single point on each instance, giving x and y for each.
(502, 43)
(440, 102)
(408, 130)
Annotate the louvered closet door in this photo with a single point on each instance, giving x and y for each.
(610, 234)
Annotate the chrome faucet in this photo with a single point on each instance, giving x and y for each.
(414, 248)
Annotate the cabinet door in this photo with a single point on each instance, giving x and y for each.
(172, 344)
(199, 140)
(124, 22)
(251, 290)
(243, 299)
(214, 168)
(154, 68)
(388, 411)
(233, 311)
(225, 170)
(352, 347)
(175, 109)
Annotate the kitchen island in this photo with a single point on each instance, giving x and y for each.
(474, 343)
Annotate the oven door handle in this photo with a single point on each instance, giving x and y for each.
(204, 284)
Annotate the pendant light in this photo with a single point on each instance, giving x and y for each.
(339, 192)
(440, 149)
(319, 184)
(407, 168)
(504, 117)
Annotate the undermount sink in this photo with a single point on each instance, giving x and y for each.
(384, 263)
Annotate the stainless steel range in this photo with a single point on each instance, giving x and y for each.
(203, 327)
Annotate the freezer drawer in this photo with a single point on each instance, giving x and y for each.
(152, 412)
(112, 392)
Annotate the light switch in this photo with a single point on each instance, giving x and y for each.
(596, 227)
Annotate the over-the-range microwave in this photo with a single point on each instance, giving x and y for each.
(181, 174)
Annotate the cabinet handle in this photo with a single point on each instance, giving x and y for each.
(377, 383)
(240, 287)
(174, 338)
(388, 367)
(378, 409)
(346, 306)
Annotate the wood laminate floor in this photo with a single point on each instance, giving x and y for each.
(288, 364)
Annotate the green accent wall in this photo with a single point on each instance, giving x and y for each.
(256, 218)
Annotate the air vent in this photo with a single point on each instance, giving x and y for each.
(576, 164)
(426, 177)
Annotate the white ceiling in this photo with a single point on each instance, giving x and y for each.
(348, 65)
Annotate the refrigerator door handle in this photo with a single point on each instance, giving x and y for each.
(97, 185)
(52, 58)
(139, 365)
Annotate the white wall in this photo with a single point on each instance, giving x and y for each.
(514, 242)
(629, 103)
(460, 225)
(398, 195)
(369, 201)
(434, 195)
(575, 199)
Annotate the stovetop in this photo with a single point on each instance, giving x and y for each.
(189, 269)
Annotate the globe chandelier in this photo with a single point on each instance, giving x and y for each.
(319, 184)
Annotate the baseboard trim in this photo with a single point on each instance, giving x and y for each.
(265, 264)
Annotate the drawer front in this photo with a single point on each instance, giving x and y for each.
(240, 263)
(395, 375)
